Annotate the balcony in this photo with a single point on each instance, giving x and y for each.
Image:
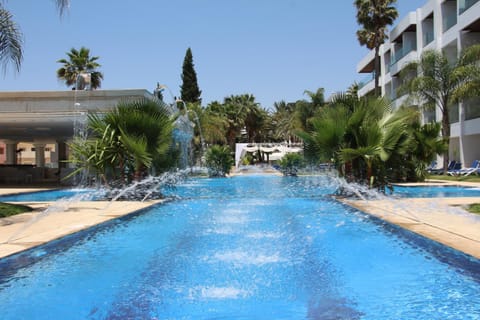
(429, 116)
(366, 80)
(428, 37)
(453, 114)
(464, 5)
(449, 20)
(472, 109)
(399, 54)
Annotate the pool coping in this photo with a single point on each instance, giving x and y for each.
(440, 219)
(53, 220)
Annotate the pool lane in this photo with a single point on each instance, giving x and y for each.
(248, 260)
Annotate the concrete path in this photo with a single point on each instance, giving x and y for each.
(24, 231)
(5, 191)
(440, 219)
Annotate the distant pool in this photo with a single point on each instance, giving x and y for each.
(248, 247)
(50, 195)
(435, 191)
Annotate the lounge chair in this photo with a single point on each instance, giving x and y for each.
(456, 168)
(431, 167)
(474, 168)
(451, 166)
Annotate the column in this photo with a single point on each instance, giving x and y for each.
(62, 154)
(461, 124)
(11, 152)
(39, 154)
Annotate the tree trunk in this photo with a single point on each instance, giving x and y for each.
(369, 173)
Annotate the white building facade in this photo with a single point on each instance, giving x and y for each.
(446, 25)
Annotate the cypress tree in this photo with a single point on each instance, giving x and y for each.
(189, 90)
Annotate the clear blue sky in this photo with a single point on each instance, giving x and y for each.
(273, 49)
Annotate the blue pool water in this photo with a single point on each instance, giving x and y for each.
(435, 191)
(243, 248)
(49, 195)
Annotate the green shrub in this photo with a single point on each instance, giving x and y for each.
(474, 208)
(290, 163)
(219, 160)
(7, 209)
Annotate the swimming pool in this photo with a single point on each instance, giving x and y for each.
(253, 247)
(434, 191)
(50, 195)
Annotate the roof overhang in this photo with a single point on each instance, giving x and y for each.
(51, 115)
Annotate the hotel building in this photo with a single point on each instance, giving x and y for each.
(446, 25)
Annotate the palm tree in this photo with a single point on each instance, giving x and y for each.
(317, 97)
(305, 110)
(427, 144)
(214, 124)
(359, 135)
(11, 40)
(374, 16)
(240, 112)
(437, 82)
(62, 5)
(79, 62)
(353, 90)
(379, 133)
(219, 160)
(282, 124)
(131, 139)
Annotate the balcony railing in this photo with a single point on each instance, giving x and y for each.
(453, 113)
(428, 38)
(464, 5)
(429, 116)
(399, 54)
(366, 80)
(449, 20)
(472, 108)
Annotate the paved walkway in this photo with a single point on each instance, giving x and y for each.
(444, 220)
(440, 219)
(27, 230)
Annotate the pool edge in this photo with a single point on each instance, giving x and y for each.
(454, 237)
(77, 217)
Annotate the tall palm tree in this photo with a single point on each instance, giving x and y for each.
(437, 82)
(305, 110)
(317, 97)
(79, 62)
(11, 39)
(10, 42)
(353, 90)
(236, 109)
(374, 16)
(214, 124)
(62, 5)
(283, 126)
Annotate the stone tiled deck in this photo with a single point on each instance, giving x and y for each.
(24, 231)
(440, 219)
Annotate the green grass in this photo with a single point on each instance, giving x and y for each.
(474, 208)
(7, 209)
(470, 178)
